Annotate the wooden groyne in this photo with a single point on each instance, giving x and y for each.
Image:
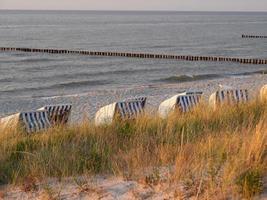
(254, 36)
(140, 55)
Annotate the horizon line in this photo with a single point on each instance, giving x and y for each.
(106, 10)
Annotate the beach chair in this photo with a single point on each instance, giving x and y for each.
(142, 99)
(229, 97)
(128, 109)
(263, 93)
(29, 121)
(184, 102)
(58, 114)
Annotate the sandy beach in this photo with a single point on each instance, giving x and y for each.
(86, 105)
(104, 188)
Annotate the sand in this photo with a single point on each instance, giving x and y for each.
(102, 187)
(86, 105)
(99, 187)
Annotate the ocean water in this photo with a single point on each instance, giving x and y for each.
(30, 80)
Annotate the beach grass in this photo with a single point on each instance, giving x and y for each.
(218, 153)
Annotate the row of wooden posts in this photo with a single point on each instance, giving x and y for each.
(140, 55)
(254, 36)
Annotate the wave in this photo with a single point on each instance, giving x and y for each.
(6, 80)
(27, 26)
(28, 60)
(67, 85)
(84, 75)
(187, 78)
(264, 71)
(81, 83)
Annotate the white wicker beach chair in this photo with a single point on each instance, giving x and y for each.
(183, 101)
(127, 109)
(230, 97)
(30, 121)
(58, 114)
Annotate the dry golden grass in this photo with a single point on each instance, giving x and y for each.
(213, 154)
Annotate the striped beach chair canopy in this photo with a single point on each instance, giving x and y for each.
(184, 102)
(142, 99)
(127, 109)
(58, 114)
(230, 97)
(30, 121)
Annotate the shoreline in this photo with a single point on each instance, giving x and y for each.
(85, 105)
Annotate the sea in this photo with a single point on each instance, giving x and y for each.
(31, 80)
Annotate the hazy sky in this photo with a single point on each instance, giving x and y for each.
(202, 5)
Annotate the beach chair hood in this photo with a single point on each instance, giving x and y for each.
(30, 121)
(230, 97)
(184, 101)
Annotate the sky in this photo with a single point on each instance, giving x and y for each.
(179, 5)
